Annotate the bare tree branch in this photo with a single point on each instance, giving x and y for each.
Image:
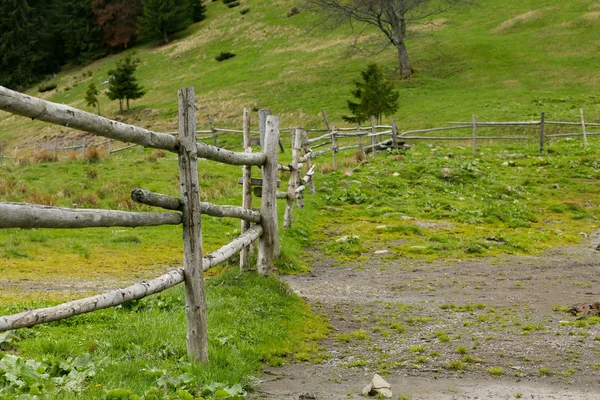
(390, 17)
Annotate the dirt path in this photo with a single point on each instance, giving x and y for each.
(482, 329)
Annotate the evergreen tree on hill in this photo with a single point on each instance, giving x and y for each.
(198, 10)
(375, 94)
(162, 17)
(29, 49)
(123, 84)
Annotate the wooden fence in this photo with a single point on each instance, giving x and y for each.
(376, 134)
(187, 209)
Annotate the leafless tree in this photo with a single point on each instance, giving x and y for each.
(389, 16)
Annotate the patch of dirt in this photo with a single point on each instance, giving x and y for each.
(487, 328)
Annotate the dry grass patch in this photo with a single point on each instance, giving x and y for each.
(522, 18)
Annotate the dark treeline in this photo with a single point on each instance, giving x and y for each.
(37, 37)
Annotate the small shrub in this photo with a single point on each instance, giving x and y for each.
(89, 200)
(293, 11)
(233, 4)
(224, 55)
(45, 156)
(92, 155)
(46, 87)
(45, 199)
(23, 161)
(244, 10)
(91, 173)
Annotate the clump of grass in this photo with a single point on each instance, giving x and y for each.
(496, 371)
(545, 371)
(92, 155)
(456, 365)
(45, 156)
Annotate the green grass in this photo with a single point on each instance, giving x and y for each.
(251, 320)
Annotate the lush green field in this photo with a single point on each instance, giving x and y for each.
(500, 60)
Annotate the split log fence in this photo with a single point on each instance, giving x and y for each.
(397, 139)
(188, 209)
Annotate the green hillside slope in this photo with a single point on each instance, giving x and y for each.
(500, 60)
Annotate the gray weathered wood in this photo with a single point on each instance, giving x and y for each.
(585, 142)
(113, 298)
(322, 137)
(196, 337)
(212, 130)
(229, 157)
(83, 148)
(21, 215)
(233, 247)
(268, 207)
(293, 182)
(326, 121)
(394, 135)
(373, 137)
(246, 190)
(311, 185)
(255, 181)
(262, 125)
(542, 116)
(31, 107)
(258, 193)
(175, 203)
(474, 135)
(334, 148)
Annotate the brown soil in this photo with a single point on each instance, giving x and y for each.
(389, 316)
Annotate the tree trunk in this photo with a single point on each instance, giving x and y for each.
(128, 104)
(165, 36)
(121, 106)
(403, 60)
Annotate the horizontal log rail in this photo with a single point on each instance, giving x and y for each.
(469, 137)
(235, 246)
(174, 203)
(114, 298)
(60, 114)
(572, 134)
(22, 215)
(516, 123)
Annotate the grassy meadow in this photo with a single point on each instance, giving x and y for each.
(500, 60)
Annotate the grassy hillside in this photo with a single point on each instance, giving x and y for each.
(500, 60)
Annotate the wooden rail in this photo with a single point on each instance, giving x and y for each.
(188, 206)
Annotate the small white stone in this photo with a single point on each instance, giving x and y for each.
(382, 251)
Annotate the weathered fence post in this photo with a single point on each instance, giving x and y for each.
(373, 151)
(83, 148)
(109, 148)
(34, 149)
(585, 143)
(262, 125)
(55, 148)
(474, 135)
(246, 191)
(326, 121)
(212, 129)
(15, 155)
(394, 135)
(542, 116)
(268, 207)
(195, 308)
(311, 184)
(294, 174)
(1, 153)
(334, 146)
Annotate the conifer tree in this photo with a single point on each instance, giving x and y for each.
(198, 10)
(161, 17)
(123, 84)
(91, 96)
(375, 94)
